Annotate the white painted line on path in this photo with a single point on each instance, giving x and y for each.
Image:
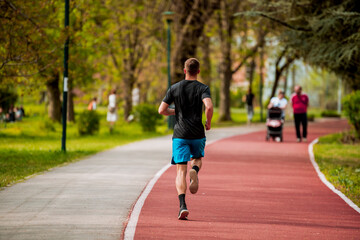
(134, 217)
(325, 181)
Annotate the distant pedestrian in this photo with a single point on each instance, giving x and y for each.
(189, 97)
(92, 104)
(112, 111)
(22, 111)
(279, 102)
(249, 101)
(11, 114)
(2, 115)
(300, 103)
(18, 114)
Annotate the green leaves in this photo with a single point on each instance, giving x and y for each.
(351, 105)
(331, 39)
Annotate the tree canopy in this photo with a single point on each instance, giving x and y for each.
(323, 33)
(122, 44)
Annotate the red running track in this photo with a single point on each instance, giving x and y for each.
(252, 189)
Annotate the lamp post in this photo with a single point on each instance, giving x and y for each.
(169, 18)
(65, 89)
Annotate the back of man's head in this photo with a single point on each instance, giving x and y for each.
(192, 66)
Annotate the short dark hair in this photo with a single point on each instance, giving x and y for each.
(192, 66)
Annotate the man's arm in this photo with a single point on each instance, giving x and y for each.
(165, 110)
(208, 112)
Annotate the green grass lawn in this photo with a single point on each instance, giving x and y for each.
(340, 163)
(30, 146)
(238, 116)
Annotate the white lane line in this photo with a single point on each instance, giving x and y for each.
(325, 181)
(130, 229)
(134, 217)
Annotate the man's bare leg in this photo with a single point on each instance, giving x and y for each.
(196, 162)
(181, 189)
(193, 173)
(181, 178)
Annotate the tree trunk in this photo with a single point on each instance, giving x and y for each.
(251, 69)
(184, 51)
(278, 73)
(226, 26)
(226, 77)
(286, 81)
(70, 106)
(293, 78)
(54, 108)
(279, 70)
(129, 81)
(205, 66)
(190, 25)
(276, 81)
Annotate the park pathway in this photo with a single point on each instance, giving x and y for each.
(252, 189)
(89, 199)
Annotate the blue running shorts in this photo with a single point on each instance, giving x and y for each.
(185, 149)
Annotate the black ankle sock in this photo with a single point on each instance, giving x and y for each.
(182, 200)
(196, 168)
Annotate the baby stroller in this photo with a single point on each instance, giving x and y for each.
(274, 123)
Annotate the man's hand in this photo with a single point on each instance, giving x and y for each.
(165, 110)
(207, 125)
(208, 112)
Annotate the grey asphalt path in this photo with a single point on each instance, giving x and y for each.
(89, 199)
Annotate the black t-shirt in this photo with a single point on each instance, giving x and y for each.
(187, 96)
(249, 99)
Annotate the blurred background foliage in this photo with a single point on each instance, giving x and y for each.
(260, 46)
(250, 45)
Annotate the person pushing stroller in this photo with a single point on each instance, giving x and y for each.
(279, 102)
(276, 117)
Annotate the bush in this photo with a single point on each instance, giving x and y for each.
(148, 117)
(88, 122)
(48, 125)
(331, 114)
(351, 105)
(236, 98)
(311, 117)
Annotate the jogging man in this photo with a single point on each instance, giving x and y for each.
(189, 96)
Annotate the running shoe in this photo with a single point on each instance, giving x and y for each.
(304, 140)
(194, 181)
(183, 213)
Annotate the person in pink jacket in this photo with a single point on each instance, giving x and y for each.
(300, 103)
